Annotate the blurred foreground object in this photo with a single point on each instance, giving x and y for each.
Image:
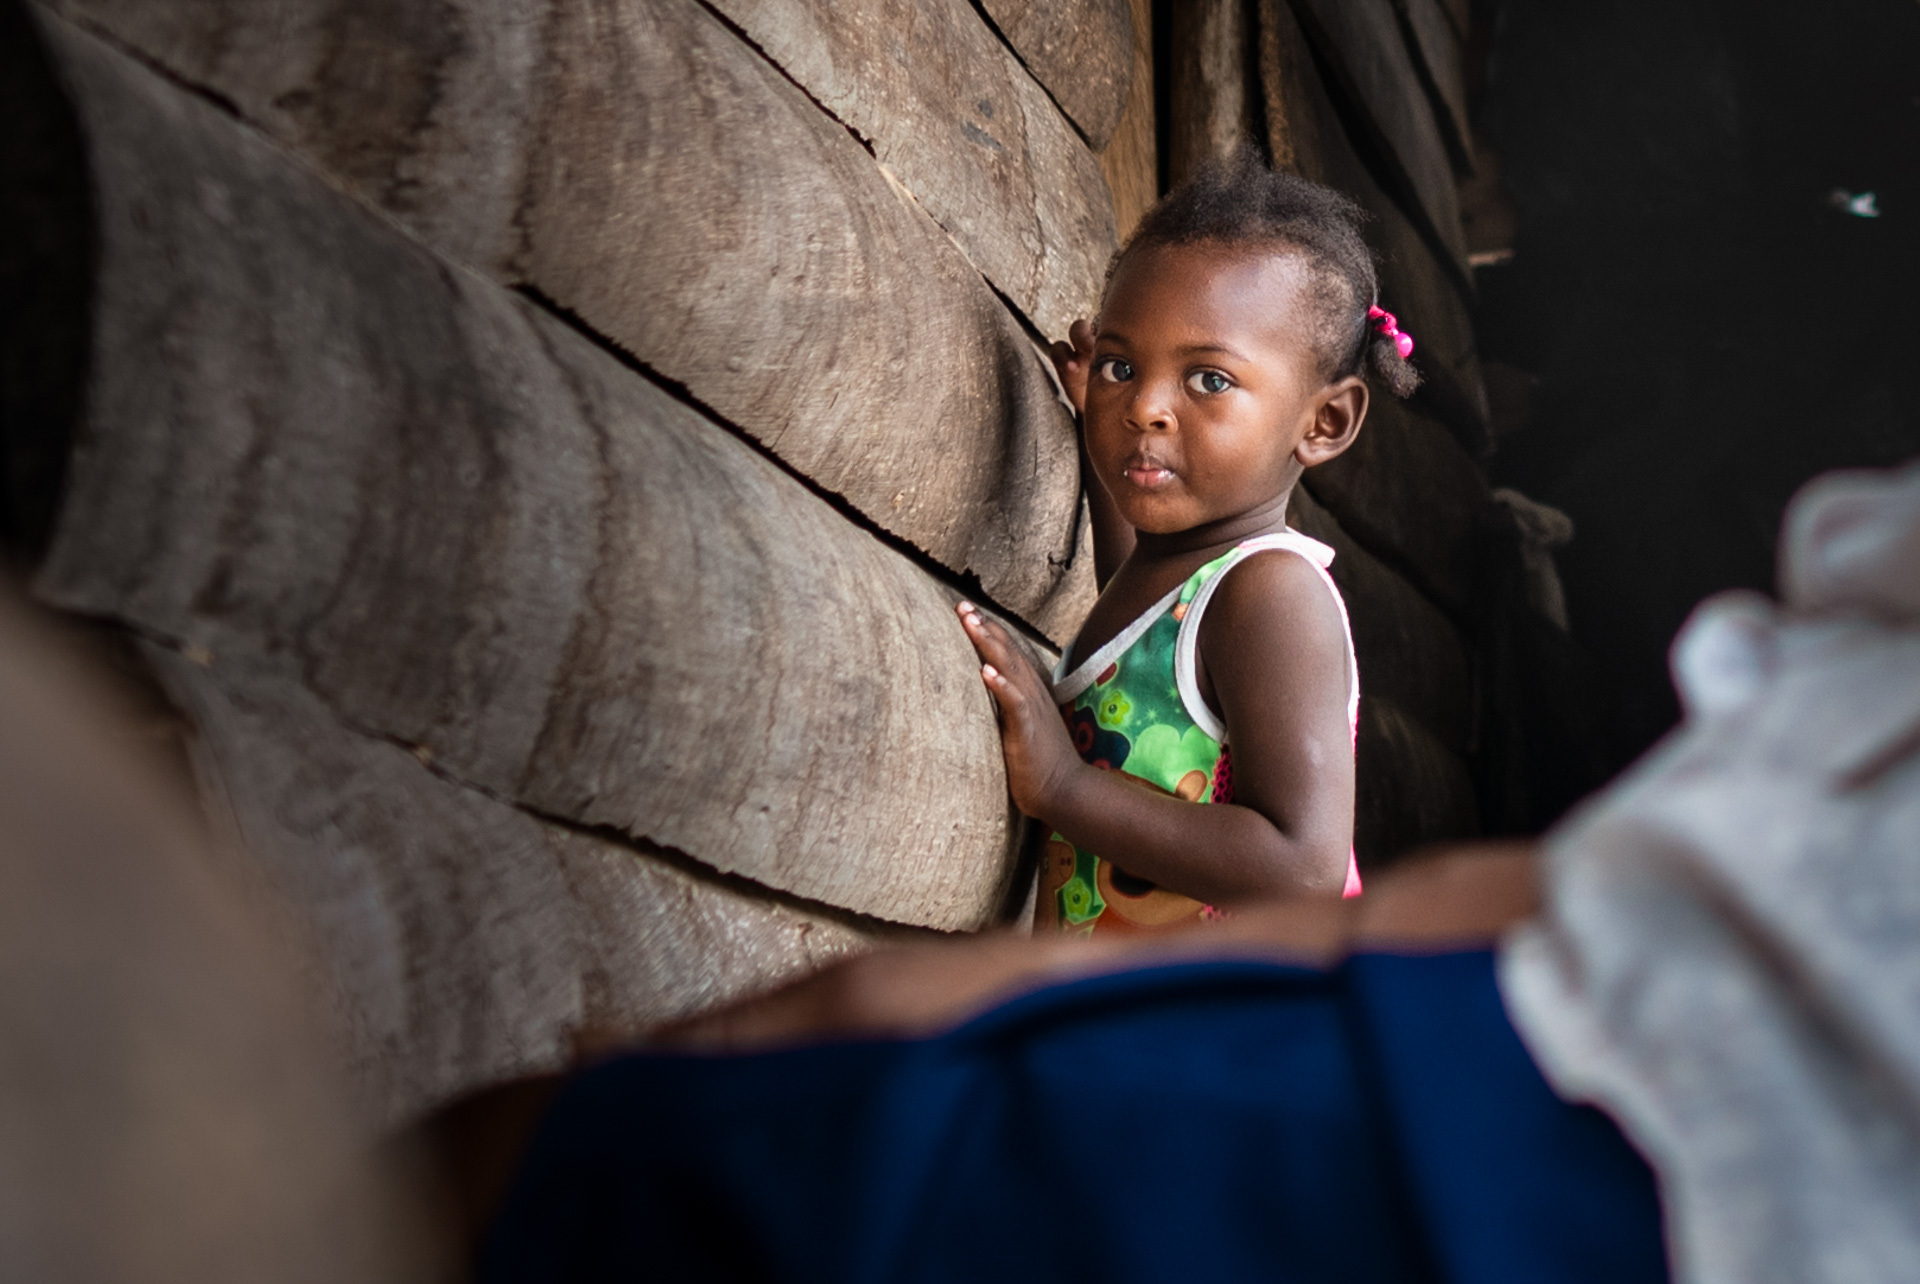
(169, 1108)
(1730, 960)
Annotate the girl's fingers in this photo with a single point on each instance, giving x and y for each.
(1007, 697)
(1006, 693)
(985, 634)
(1004, 669)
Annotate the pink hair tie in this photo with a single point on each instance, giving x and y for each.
(1385, 323)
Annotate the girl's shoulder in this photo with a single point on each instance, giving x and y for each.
(1295, 568)
(1276, 595)
(1268, 628)
(1271, 605)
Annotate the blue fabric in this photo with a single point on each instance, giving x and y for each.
(1218, 1122)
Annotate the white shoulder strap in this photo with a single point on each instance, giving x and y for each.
(1186, 646)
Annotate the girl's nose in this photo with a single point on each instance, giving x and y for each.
(1151, 409)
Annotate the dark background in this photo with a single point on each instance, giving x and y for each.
(1693, 328)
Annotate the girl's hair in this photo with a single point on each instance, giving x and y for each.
(1237, 201)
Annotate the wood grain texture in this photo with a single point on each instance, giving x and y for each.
(1440, 54)
(1081, 50)
(1363, 45)
(953, 115)
(477, 533)
(1131, 160)
(1414, 285)
(643, 167)
(1285, 65)
(1408, 651)
(1411, 495)
(1210, 103)
(1410, 790)
(461, 941)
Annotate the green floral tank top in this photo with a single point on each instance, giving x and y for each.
(1134, 708)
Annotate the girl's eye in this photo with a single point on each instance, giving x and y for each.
(1208, 382)
(1113, 369)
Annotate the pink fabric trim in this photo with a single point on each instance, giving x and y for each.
(1223, 793)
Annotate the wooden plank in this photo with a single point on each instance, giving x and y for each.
(463, 941)
(644, 168)
(661, 943)
(952, 113)
(480, 535)
(1290, 95)
(1439, 54)
(1210, 91)
(1131, 160)
(172, 1104)
(1408, 651)
(1454, 388)
(1413, 497)
(1409, 789)
(1081, 50)
(1361, 42)
(1414, 285)
(1416, 289)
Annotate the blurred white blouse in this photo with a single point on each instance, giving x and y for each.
(1729, 960)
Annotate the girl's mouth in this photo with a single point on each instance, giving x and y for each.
(1147, 474)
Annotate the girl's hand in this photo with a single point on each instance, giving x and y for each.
(1073, 359)
(1041, 761)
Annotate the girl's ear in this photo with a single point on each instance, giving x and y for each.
(1336, 423)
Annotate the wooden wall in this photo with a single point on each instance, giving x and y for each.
(539, 448)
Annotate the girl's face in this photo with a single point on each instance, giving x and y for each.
(1205, 398)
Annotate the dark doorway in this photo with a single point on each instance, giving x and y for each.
(1710, 299)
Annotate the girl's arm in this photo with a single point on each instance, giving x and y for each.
(1274, 655)
(1459, 898)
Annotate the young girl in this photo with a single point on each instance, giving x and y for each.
(1231, 352)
